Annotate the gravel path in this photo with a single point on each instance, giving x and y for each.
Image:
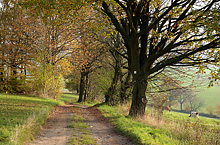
(55, 131)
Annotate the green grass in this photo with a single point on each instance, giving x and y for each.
(68, 97)
(184, 117)
(200, 130)
(82, 139)
(173, 129)
(138, 132)
(210, 97)
(21, 117)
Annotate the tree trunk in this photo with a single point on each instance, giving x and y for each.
(112, 89)
(124, 87)
(2, 67)
(181, 106)
(82, 87)
(139, 99)
(86, 87)
(139, 76)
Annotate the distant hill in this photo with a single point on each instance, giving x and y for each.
(209, 96)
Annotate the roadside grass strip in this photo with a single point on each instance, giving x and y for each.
(21, 117)
(173, 129)
(81, 134)
(138, 132)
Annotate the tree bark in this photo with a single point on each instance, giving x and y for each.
(124, 87)
(86, 87)
(139, 99)
(82, 87)
(112, 89)
(181, 106)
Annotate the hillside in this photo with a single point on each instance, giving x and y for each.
(209, 96)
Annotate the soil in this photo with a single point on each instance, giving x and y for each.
(56, 132)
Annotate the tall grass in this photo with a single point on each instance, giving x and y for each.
(23, 132)
(173, 128)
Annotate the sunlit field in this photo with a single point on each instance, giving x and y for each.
(172, 128)
(21, 116)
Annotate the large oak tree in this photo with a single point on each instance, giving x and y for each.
(160, 33)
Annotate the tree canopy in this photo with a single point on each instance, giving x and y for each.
(159, 33)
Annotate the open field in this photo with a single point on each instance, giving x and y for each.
(209, 96)
(68, 97)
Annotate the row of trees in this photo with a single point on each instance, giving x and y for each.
(158, 34)
(155, 35)
(33, 45)
(113, 49)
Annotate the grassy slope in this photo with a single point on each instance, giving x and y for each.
(17, 110)
(21, 116)
(138, 132)
(68, 97)
(210, 96)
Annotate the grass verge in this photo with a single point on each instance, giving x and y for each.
(21, 117)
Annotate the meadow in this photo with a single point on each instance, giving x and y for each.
(172, 129)
(21, 116)
(209, 96)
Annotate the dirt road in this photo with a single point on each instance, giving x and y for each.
(56, 132)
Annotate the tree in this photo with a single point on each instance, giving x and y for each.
(159, 33)
(195, 102)
(87, 54)
(55, 42)
(121, 72)
(17, 29)
(182, 99)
